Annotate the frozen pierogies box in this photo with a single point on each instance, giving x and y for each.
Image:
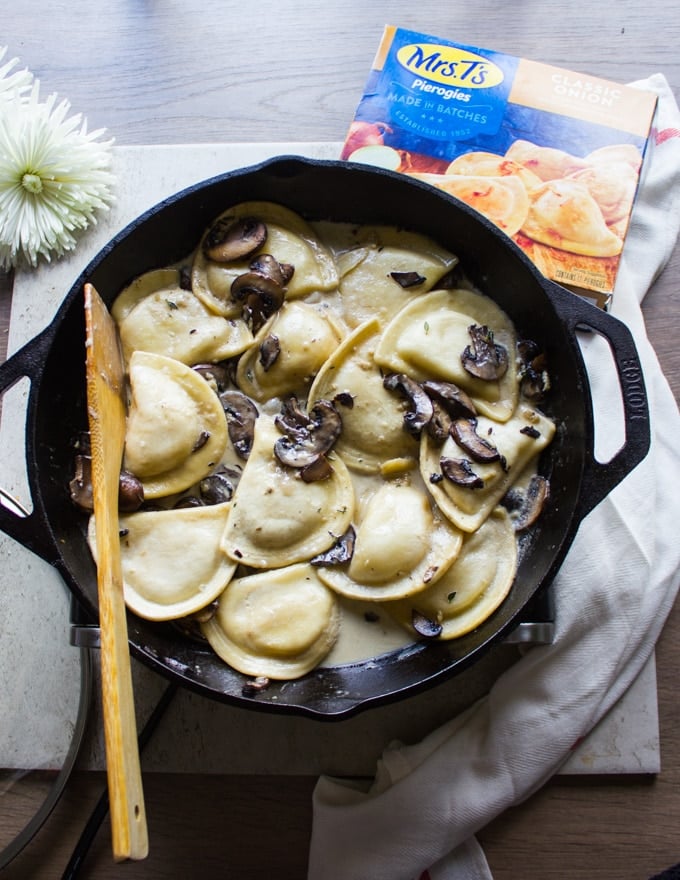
(551, 156)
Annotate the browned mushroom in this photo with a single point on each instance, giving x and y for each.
(233, 239)
(533, 373)
(80, 486)
(241, 414)
(425, 626)
(421, 411)
(317, 470)
(216, 375)
(450, 396)
(407, 279)
(201, 440)
(130, 492)
(270, 349)
(130, 489)
(341, 552)
(525, 507)
(219, 486)
(465, 434)
(254, 686)
(266, 264)
(440, 424)
(484, 359)
(187, 501)
(303, 444)
(260, 296)
(292, 420)
(344, 398)
(459, 471)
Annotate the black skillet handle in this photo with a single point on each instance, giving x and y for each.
(599, 478)
(30, 530)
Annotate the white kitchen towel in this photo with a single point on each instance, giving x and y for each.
(613, 594)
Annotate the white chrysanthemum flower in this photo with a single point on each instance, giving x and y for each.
(54, 177)
(18, 84)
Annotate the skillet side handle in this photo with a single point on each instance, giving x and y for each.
(599, 478)
(30, 530)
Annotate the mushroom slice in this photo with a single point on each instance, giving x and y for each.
(485, 358)
(533, 372)
(278, 624)
(306, 337)
(277, 518)
(426, 627)
(230, 239)
(176, 428)
(130, 492)
(372, 259)
(440, 424)
(372, 427)
(269, 350)
(454, 400)
(472, 588)
(291, 241)
(260, 296)
(171, 560)
(241, 413)
(401, 545)
(421, 410)
(269, 266)
(80, 485)
(340, 552)
(219, 486)
(215, 374)
(468, 504)
(465, 434)
(526, 505)
(426, 338)
(408, 279)
(460, 472)
(304, 445)
(175, 323)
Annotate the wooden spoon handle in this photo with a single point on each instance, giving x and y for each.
(106, 411)
(126, 796)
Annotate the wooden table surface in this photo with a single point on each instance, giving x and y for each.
(183, 72)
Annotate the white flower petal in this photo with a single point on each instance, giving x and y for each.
(54, 175)
(13, 87)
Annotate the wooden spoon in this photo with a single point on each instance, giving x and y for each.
(106, 414)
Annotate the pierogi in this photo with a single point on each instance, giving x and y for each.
(472, 588)
(502, 199)
(276, 518)
(518, 441)
(372, 417)
(402, 545)
(278, 624)
(289, 239)
(176, 427)
(171, 561)
(305, 336)
(330, 419)
(174, 322)
(420, 339)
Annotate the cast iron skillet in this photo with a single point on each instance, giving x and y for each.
(541, 310)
